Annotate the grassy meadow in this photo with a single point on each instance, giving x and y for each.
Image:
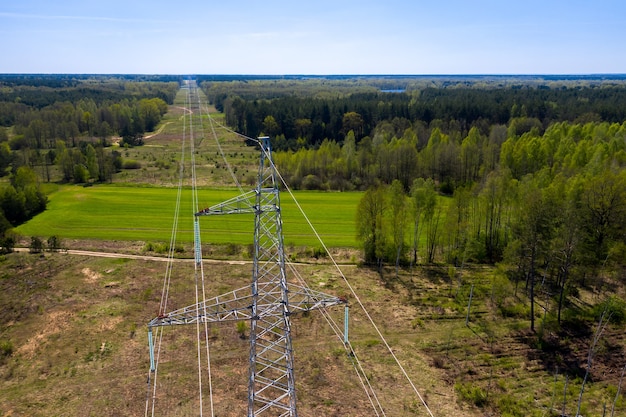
(114, 212)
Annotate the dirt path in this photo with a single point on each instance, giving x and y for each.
(140, 257)
(158, 131)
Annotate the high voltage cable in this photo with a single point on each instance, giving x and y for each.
(354, 294)
(199, 270)
(200, 274)
(361, 375)
(188, 130)
(360, 372)
(193, 198)
(200, 264)
(219, 147)
(168, 269)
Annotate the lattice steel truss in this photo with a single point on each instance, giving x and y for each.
(268, 303)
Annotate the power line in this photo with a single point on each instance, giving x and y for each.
(198, 266)
(221, 151)
(236, 304)
(356, 297)
(352, 291)
(150, 403)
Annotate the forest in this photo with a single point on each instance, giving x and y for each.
(304, 113)
(68, 121)
(530, 175)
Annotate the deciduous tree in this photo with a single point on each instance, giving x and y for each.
(423, 200)
(398, 218)
(533, 229)
(370, 224)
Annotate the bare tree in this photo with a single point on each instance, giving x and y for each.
(602, 323)
(619, 387)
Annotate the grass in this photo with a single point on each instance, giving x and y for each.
(78, 344)
(74, 328)
(113, 212)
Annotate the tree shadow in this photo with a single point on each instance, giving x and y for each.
(565, 349)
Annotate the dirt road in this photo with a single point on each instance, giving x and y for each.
(140, 257)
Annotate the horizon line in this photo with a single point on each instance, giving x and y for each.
(569, 74)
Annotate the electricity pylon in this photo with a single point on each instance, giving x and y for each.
(268, 303)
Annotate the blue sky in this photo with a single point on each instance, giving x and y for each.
(315, 37)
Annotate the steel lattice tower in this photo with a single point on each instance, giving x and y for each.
(268, 303)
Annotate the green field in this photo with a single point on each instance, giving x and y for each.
(114, 212)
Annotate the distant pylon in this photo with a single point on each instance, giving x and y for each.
(268, 303)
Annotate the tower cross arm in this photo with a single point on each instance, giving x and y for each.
(231, 306)
(244, 203)
(303, 299)
(237, 305)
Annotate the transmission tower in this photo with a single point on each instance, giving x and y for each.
(268, 303)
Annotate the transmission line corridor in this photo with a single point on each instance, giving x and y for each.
(265, 312)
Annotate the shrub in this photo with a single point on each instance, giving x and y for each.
(81, 173)
(162, 164)
(311, 182)
(130, 140)
(36, 245)
(417, 322)
(131, 164)
(242, 328)
(371, 342)
(54, 243)
(476, 251)
(159, 247)
(471, 393)
(439, 362)
(232, 249)
(102, 351)
(6, 350)
(7, 243)
(518, 310)
(509, 406)
(319, 253)
(615, 308)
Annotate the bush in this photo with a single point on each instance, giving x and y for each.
(7, 243)
(131, 164)
(317, 253)
(54, 243)
(232, 249)
(159, 247)
(371, 342)
(81, 173)
(476, 251)
(508, 406)
(6, 350)
(518, 310)
(130, 140)
(242, 328)
(162, 165)
(471, 393)
(615, 308)
(311, 182)
(36, 245)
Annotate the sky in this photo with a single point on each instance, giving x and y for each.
(313, 37)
